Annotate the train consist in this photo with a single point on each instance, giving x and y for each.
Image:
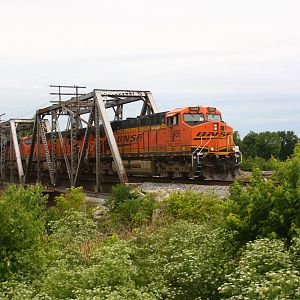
(191, 142)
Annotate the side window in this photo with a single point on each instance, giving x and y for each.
(173, 120)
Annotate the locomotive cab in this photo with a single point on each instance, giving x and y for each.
(210, 140)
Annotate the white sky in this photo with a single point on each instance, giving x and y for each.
(241, 56)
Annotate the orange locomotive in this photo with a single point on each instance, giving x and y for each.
(191, 142)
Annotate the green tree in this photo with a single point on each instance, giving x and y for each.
(248, 145)
(280, 144)
(268, 144)
(288, 142)
(237, 138)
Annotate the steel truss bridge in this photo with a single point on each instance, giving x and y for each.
(85, 112)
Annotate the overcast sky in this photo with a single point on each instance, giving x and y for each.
(241, 56)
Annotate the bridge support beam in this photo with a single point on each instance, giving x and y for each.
(100, 105)
(62, 157)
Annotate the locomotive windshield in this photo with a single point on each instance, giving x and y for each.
(213, 117)
(27, 142)
(193, 119)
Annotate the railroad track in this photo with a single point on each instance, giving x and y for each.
(137, 180)
(141, 179)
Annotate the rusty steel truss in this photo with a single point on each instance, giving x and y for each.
(87, 113)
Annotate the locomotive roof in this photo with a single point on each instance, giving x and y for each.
(202, 109)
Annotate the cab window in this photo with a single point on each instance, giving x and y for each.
(173, 120)
(193, 119)
(27, 142)
(213, 117)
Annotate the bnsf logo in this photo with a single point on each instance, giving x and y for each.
(213, 133)
(130, 138)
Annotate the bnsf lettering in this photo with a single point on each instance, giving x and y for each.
(200, 134)
(225, 133)
(130, 138)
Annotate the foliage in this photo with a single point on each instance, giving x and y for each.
(191, 252)
(108, 274)
(74, 200)
(72, 231)
(196, 207)
(130, 208)
(250, 163)
(279, 144)
(17, 290)
(289, 141)
(295, 252)
(268, 208)
(22, 222)
(183, 261)
(237, 138)
(264, 271)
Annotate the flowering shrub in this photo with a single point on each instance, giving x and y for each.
(109, 273)
(295, 252)
(73, 228)
(184, 261)
(264, 271)
(74, 200)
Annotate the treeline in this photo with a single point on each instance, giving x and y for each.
(265, 148)
(143, 246)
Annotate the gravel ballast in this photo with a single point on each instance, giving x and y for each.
(221, 191)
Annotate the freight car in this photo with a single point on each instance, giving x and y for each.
(191, 142)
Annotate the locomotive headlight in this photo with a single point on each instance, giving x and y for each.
(212, 149)
(236, 149)
(215, 127)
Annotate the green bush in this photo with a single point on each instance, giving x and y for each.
(295, 252)
(22, 222)
(196, 207)
(72, 200)
(264, 271)
(250, 163)
(268, 208)
(188, 254)
(129, 207)
(252, 211)
(17, 290)
(71, 231)
(183, 261)
(109, 273)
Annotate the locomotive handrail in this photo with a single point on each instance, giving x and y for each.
(202, 146)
